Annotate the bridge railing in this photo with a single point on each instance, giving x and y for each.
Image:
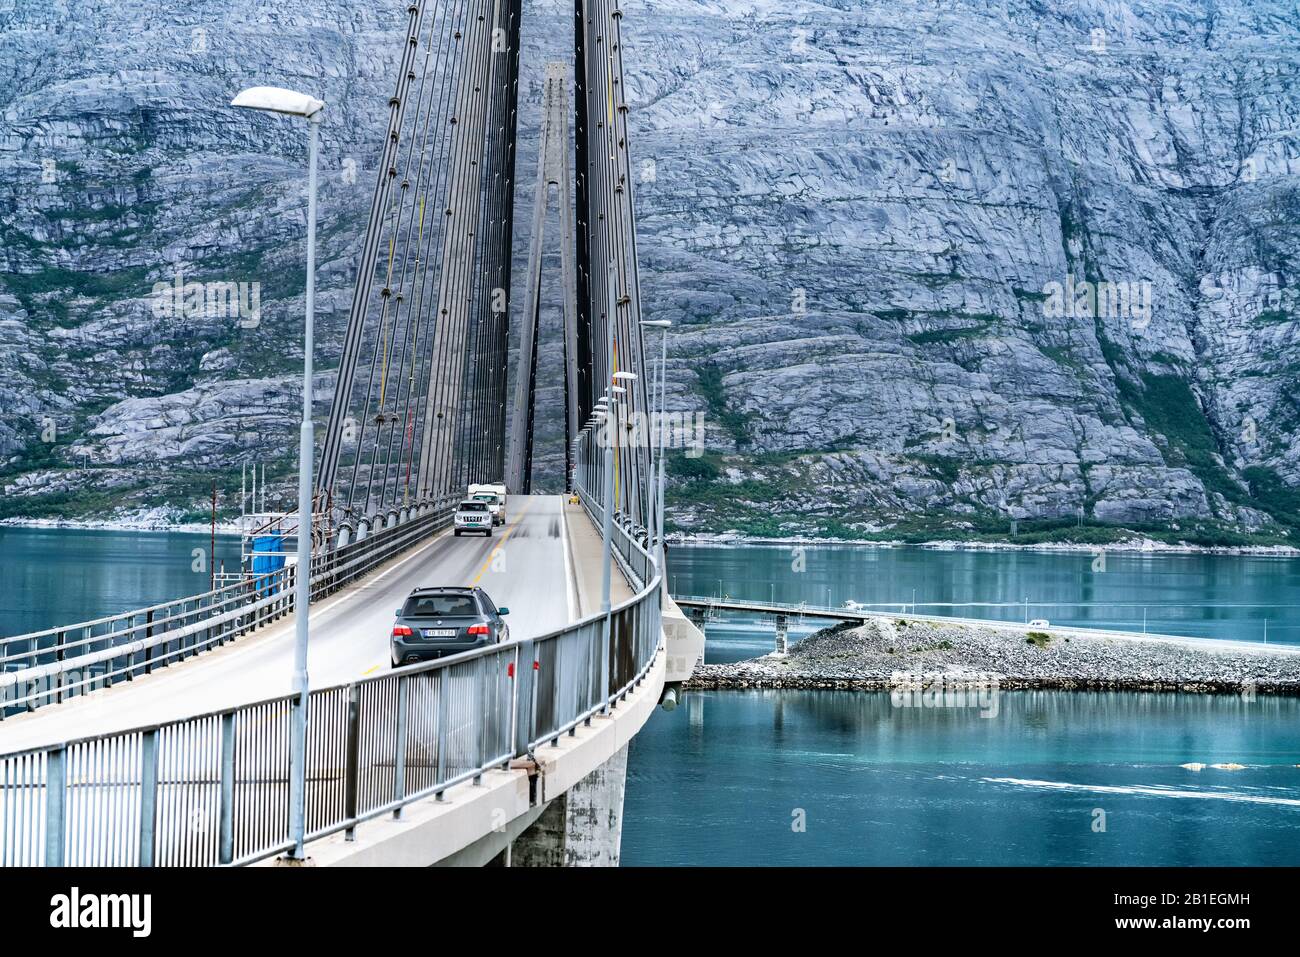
(629, 551)
(48, 666)
(214, 788)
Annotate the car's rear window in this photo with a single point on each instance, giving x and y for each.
(485, 498)
(439, 606)
(473, 506)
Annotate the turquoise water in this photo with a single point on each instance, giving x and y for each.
(727, 777)
(1237, 597)
(52, 577)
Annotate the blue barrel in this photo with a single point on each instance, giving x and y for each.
(265, 564)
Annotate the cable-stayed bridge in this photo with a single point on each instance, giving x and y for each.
(167, 735)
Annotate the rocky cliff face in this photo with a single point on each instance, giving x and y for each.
(932, 266)
(875, 223)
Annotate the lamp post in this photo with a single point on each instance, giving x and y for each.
(607, 483)
(606, 422)
(270, 99)
(659, 429)
(622, 382)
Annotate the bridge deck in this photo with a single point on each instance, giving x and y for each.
(526, 566)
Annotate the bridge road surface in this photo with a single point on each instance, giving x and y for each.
(526, 566)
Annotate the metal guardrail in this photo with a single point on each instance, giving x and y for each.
(45, 667)
(214, 789)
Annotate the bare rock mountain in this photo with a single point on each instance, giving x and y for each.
(933, 266)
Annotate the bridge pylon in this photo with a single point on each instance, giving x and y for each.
(553, 173)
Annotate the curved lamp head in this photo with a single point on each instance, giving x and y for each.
(276, 99)
(625, 376)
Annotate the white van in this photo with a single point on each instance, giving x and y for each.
(495, 496)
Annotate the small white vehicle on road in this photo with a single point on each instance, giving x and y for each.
(1039, 623)
(473, 516)
(494, 496)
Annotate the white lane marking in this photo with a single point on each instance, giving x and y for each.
(501, 544)
(570, 581)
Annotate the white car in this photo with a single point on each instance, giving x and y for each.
(495, 496)
(1039, 623)
(473, 516)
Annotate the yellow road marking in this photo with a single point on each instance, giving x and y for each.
(493, 554)
(370, 671)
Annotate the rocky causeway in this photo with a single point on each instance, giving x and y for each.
(887, 653)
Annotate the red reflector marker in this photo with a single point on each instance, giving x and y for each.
(510, 670)
(537, 666)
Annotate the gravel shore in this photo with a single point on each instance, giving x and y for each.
(889, 653)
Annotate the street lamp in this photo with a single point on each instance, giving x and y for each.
(272, 99)
(659, 429)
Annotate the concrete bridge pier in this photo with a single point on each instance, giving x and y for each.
(583, 827)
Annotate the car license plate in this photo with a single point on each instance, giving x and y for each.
(440, 632)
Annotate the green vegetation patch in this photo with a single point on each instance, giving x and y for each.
(733, 420)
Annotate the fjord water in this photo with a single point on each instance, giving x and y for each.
(58, 576)
(847, 778)
(1040, 778)
(1234, 597)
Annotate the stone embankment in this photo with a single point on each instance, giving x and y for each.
(887, 653)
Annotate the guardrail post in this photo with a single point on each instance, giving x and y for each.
(525, 697)
(227, 828)
(130, 655)
(111, 643)
(59, 651)
(482, 668)
(148, 795)
(399, 754)
(352, 771)
(441, 772)
(148, 648)
(56, 790)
